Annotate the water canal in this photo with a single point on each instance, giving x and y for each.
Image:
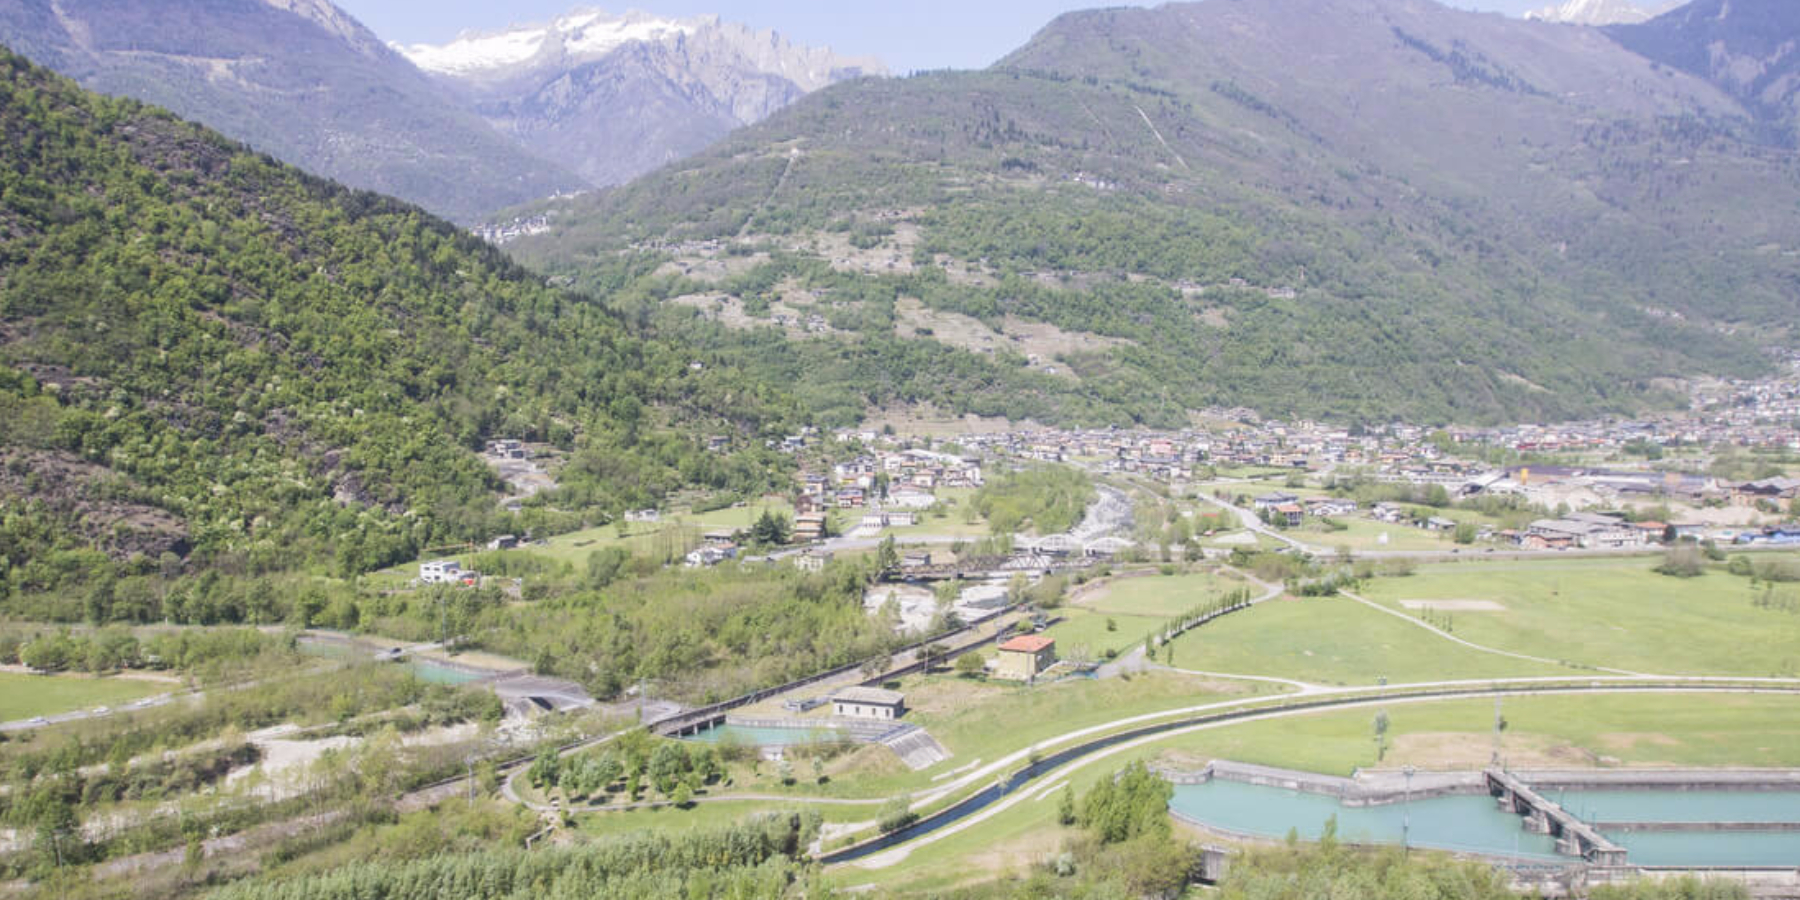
(1475, 824)
(423, 669)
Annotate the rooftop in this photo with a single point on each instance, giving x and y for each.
(1029, 643)
(870, 695)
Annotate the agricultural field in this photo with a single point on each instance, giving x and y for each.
(23, 696)
(1335, 640)
(1615, 613)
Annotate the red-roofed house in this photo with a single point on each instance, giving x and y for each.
(1022, 658)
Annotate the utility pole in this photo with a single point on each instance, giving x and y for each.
(1406, 821)
(1499, 723)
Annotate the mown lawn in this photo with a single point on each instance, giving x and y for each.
(1617, 613)
(1572, 731)
(23, 696)
(1159, 595)
(1085, 633)
(1334, 640)
(987, 720)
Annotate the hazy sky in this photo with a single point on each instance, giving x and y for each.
(905, 34)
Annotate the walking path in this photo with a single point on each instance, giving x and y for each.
(1492, 687)
(1478, 647)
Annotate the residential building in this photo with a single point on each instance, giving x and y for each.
(813, 560)
(1270, 501)
(440, 571)
(809, 527)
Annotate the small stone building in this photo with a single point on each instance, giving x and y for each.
(1022, 658)
(868, 703)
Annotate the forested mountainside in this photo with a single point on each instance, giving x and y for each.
(1746, 47)
(209, 357)
(612, 97)
(1355, 209)
(299, 79)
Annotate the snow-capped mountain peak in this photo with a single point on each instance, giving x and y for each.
(613, 96)
(1599, 12)
(582, 33)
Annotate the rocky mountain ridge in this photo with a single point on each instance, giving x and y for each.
(299, 79)
(614, 96)
(1336, 208)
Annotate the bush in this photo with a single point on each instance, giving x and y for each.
(1682, 562)
(896, 814)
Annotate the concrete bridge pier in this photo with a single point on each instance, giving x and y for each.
(1541, 816)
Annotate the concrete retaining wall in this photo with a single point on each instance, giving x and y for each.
(1366, 789)
(853, 729)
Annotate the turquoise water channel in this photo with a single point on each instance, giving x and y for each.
(764, 737)
(425, 670)
(1466, 824)
(1475, 824)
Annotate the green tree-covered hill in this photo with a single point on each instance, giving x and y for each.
(207, 356)
(300, 79)
(1355, 209)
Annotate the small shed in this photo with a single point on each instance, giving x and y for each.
(868, 703)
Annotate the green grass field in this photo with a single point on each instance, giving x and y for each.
(1158, 595)
(1335, 640)
(1616, 613)
(1365, 534)
(1084, 634)
(1552, 731)
(23, 696)
(987, 720)
(1569, 732)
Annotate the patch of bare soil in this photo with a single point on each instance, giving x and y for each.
(1470, 750)
(1454, 605)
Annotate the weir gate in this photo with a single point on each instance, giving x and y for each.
(1543, 816)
